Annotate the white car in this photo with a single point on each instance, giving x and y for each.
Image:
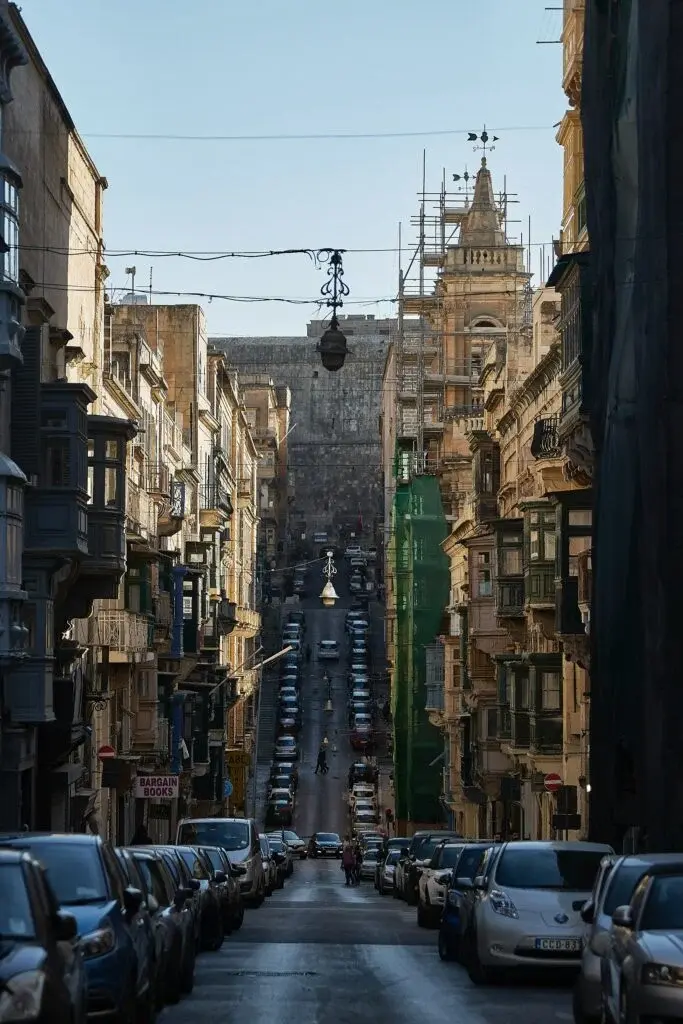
(286, 749)
(353, 551)
(433, 883)
(328, 650)
(388, 871)
(361, 791)
(240, 839)
(526, 907)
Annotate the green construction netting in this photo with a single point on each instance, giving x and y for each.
(422, 585)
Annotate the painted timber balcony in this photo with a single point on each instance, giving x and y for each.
(264, 433)
(485, 476)
(540, 542)
(124, 633)
(248, 622)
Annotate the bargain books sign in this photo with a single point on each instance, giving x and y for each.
(156, 787)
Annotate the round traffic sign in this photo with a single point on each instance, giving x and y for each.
(552, 782)
(227, 788)
(105, 752)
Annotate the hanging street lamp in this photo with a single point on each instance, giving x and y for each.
(332, 346)
(329, 594)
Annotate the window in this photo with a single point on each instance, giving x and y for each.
(621, 886)
(663, 910)
(487, 474)
(521, 693)
(14, 533)
(510, 556)
(542, 538)
(580, 517)
(74, 870)
(491, 723)
(485, 583)
(551, 691)
(577, 546)
(16, 919)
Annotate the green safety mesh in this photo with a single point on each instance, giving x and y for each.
(422, 585)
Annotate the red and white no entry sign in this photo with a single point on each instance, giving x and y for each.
(105, 752)
(552, 782)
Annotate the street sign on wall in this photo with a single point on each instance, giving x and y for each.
(552, 782)
(156, 787)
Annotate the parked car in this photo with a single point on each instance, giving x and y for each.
(174, 915)
(452, 924)
(353, 551)
(269, 866)
(431, 889)
(295, 843)
(280, 809)
(362, 791)
(42, 975)
(89, 885)
(285, 862)
(614, 887)
(211, 933)
(285, 768)
(286, 748)
(239, 838)
(369, 863)
(149, 925)
(643, 966)
(385, 870)
(526, 907)
(325, 844)
(365, 819)
(420, 858)
(298, 617)
(328, 650)
(226, 879)
(184, 884)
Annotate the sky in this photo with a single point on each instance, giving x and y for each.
(268, 68)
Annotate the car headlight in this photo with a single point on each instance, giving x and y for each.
(502, 904)
(99, 942)
(22, 997)
(662, 974)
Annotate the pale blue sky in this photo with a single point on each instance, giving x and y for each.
(223, 67)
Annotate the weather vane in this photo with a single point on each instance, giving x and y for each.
(485, 139)
(465, 177)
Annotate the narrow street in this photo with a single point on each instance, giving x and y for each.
(317, 951)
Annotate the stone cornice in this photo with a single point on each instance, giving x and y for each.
(539, 378)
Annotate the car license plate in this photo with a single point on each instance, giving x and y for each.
(559, 945)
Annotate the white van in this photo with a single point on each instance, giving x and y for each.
(240, 839)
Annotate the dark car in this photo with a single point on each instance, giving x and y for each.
(183, 880)
(282, 855)
(229, 892)
(42, 975)
(418, 858)
(211, 931)
(362, 771)
(174, 915)
(280, 808)
(286, 768)
(148, 924)
(88, 883)
(325, 844)
(295, 843)
(463, 875)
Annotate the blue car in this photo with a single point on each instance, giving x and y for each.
(89, 885)
(464, 873)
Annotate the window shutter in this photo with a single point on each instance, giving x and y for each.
(26, 405)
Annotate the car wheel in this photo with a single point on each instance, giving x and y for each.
(445, 948)
(172, 988)
(478, 973)
(146, 1009)
(580, 1017)
(238, 919)
(187, 975)
(129, 1011)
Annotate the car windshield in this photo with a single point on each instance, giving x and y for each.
(328, 644)
(547, 868)
(469, 862)
(74, 870)
(372, 854)
(328, 837)
(276, 844)
(621, 886)
(663, 911)
(393, 856)
(194, 864)
(263, 843)
(16, 919)
(286, 741)
(215, 858)
(291, 837)
(450, 856)
(231, 835)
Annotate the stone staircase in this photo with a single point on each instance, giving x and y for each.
(270, 640)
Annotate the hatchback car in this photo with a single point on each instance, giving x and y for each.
(527, 908)
(385, 871)
(89, 885)
(325, 844)
(295, 843)
(286, 748)
(462, 880)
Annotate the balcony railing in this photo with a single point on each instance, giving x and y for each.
(264, 433)
(248, 621)
(158, 479)
(171, 435)
(545, 443)
(215, 496)
(123, 631)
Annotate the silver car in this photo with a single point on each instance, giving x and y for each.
(527, 907)
(614, 886)
(642, 973)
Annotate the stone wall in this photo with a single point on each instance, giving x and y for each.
(334, 440)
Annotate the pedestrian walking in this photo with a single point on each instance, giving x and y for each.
(141, 837)
(321, 765)
(348, 862)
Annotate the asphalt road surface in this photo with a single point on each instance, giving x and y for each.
(319, 953)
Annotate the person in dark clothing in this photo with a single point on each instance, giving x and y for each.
(321, 766)
(141, 837)
(348, 863)
(358, 856)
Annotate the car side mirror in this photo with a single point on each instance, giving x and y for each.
(132, 900)
(588, 912)
(237, 869)
(152, 904)
(220, 877)
(479, 882)
(464, 883)
(443, 878)
(195, 884)
(622, 917)
(278, 857)
(66, 927)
